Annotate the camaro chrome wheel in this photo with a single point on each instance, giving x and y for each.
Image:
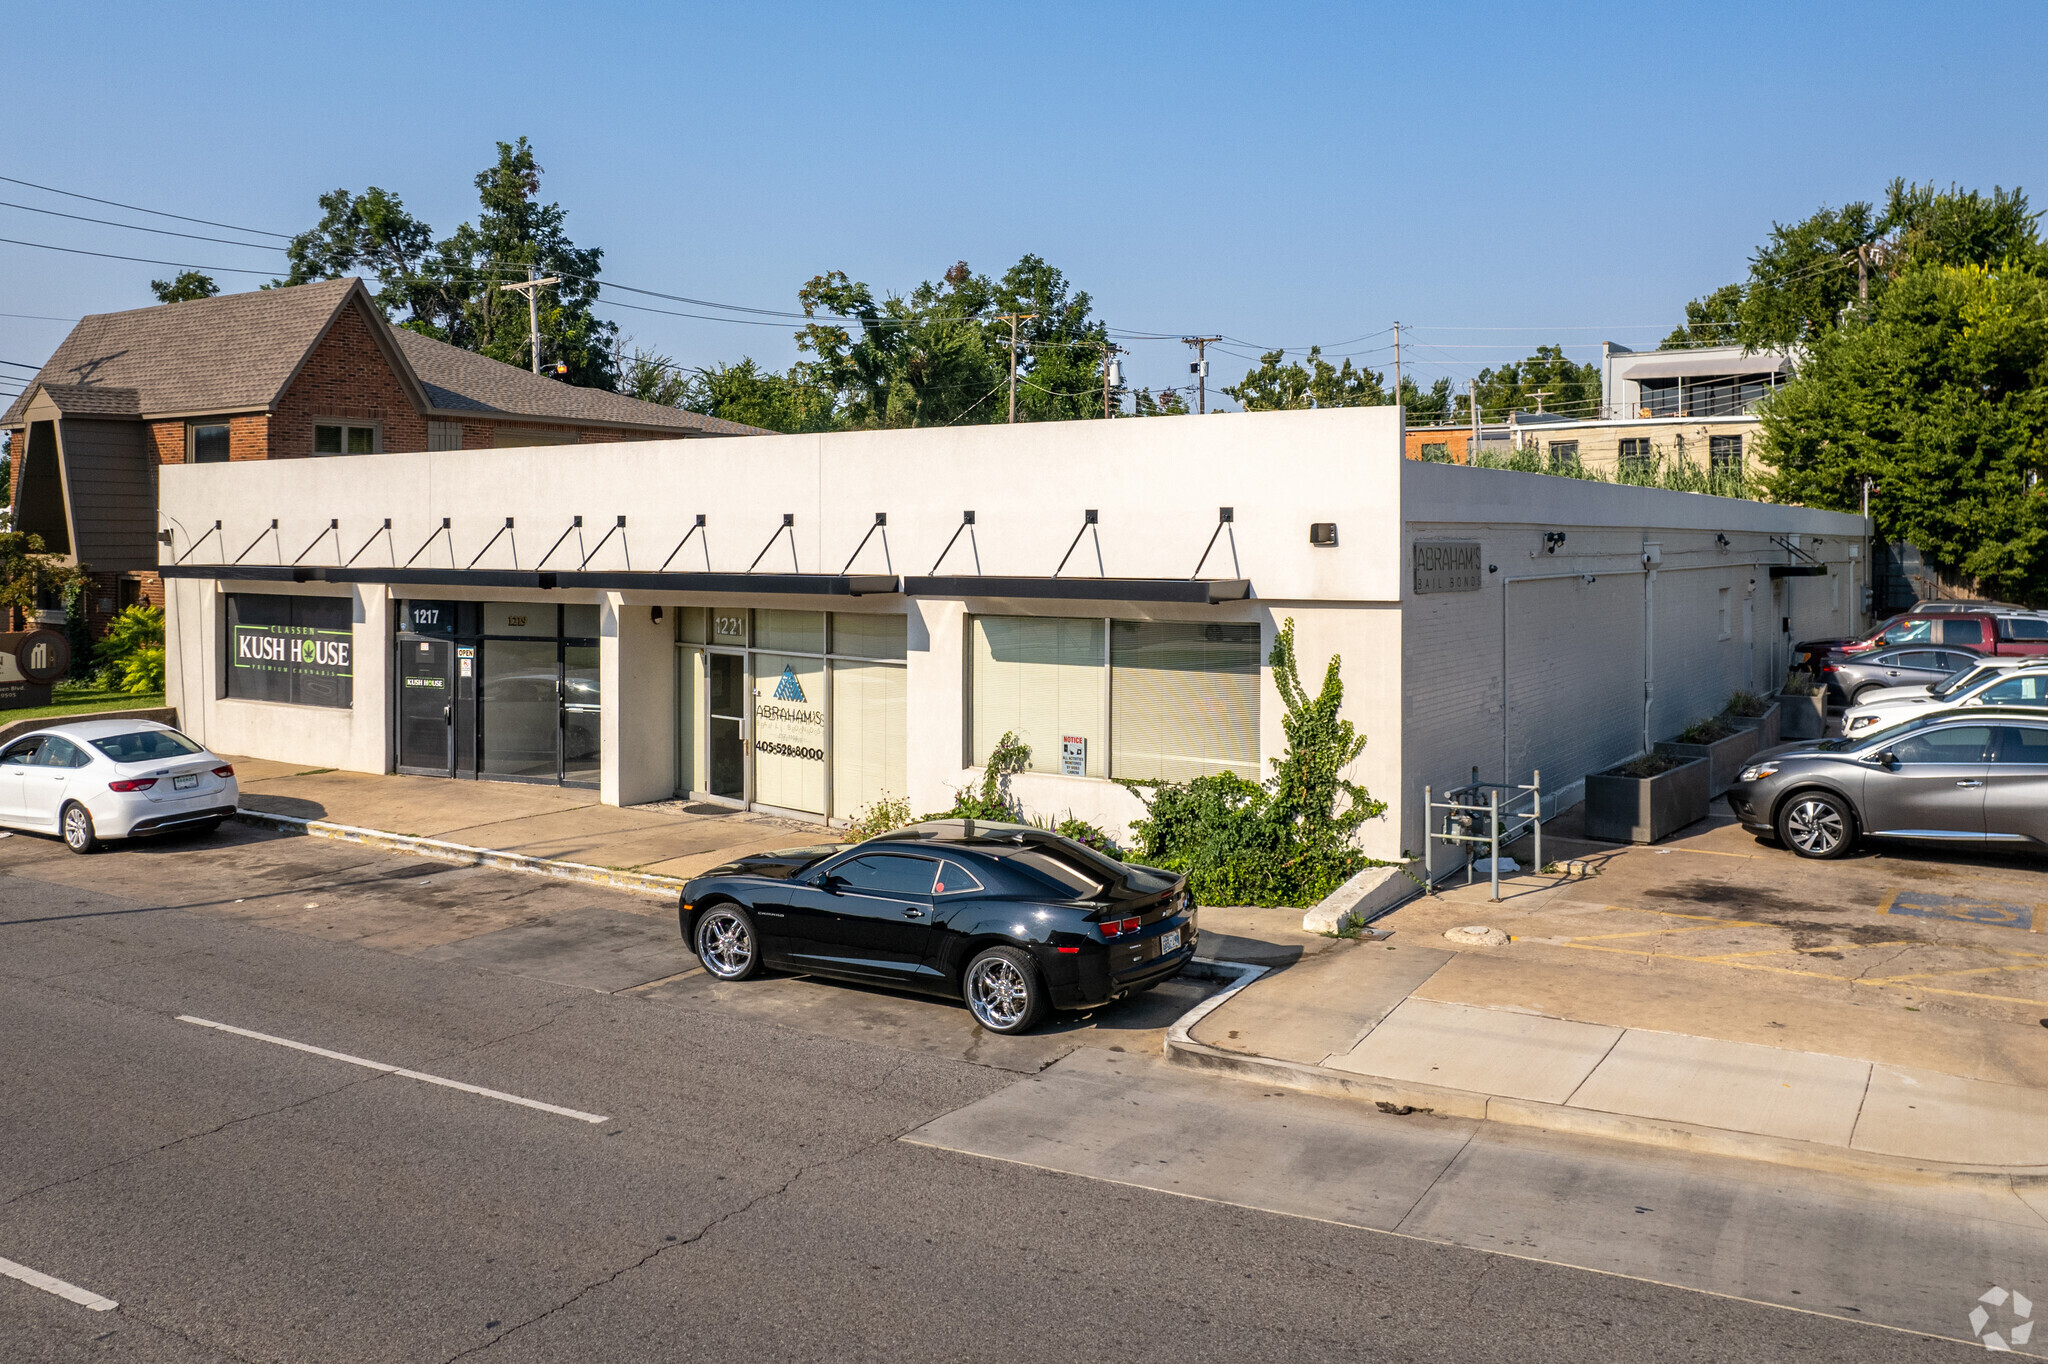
(725, 943)
(78, 831)
(1816, 826)
(1002, 990)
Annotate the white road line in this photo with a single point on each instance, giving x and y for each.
(85, 1298)
(397, 1070)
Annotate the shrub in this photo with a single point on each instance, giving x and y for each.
(133, 650)
(1748, 705)
(1286, 841)
(1650, 765)
(1706, 731)
(992, 800)
(878, 818)
(1081, 831)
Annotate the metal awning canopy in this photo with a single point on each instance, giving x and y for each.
(1203, 591)
(1699, 367)
(809, 584)
(1207, 591)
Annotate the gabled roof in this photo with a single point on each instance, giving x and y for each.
(240, 352)
(461, 382)
(232, 353)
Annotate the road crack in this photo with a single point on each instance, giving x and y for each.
(692, 1239)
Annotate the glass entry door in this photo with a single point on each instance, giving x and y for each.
(726, 732)
(426, 709)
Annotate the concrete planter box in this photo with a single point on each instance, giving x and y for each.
(1802, 717)
(1725, 757)
(1766, 726)
(1646, 809)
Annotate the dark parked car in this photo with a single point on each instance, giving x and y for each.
(1850, 676)
(1957, 778)
(1014, 920)
(1982, 628)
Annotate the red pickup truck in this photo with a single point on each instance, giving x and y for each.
(1986, 632)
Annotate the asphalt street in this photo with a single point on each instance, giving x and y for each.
(749, 1192)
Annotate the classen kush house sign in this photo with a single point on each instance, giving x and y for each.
(298, 650)
(1447, 566)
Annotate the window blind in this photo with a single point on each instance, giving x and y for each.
(1184, 700)
(1041, 677)
(868, 735)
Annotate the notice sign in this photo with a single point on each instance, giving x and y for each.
(1073, 755)
(1447, 566)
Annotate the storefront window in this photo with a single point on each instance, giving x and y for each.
(1041, 678)
(869, 636)
(520, 704)
(1182, 697)
(801, 632)
(868, 733)
(1185, 700)
(789, 730)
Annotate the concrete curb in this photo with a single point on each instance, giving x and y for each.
(1363, 898)
(639, 882)
(1183, 1050)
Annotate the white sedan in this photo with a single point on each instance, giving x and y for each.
(112, 779)
(2024, 684)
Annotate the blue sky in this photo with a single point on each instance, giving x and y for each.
(1493, 175)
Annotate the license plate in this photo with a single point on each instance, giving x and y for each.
(185, 782)
(1169, 942)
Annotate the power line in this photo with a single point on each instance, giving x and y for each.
(145, 260)
(38, 317)
(138, 227)
(136, 208)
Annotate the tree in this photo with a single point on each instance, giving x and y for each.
(186, 287)
(31, 576)
(747, 393)
(1566, 387)
(1811, 273)
(1169, 402)
(1315, 382)
(1938, 394)
(450, 290)
(1715, 320)
(941, 354)
(371, 234)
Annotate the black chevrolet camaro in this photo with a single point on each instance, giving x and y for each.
(1013, 919)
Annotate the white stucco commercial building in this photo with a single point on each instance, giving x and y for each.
(809, 623)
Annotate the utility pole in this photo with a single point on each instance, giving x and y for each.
(1013, 319)
(1397, 364)
(1200, 368)
(1539, 394)
(1112, 372)
(531, 288)
(1472, 401)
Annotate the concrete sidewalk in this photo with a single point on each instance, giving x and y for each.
(1713, 995)
(555, 830)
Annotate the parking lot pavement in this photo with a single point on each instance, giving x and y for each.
(1712, 993)
(567, 934)
(386, 1154)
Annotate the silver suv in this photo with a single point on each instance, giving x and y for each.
(1973, 778)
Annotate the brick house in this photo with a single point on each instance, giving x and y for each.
(290, 373)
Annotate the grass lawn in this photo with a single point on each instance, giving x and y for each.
(77, 700)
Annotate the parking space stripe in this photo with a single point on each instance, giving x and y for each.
(443, 1081)
(71, 1292)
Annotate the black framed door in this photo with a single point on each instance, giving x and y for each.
(426, 707)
